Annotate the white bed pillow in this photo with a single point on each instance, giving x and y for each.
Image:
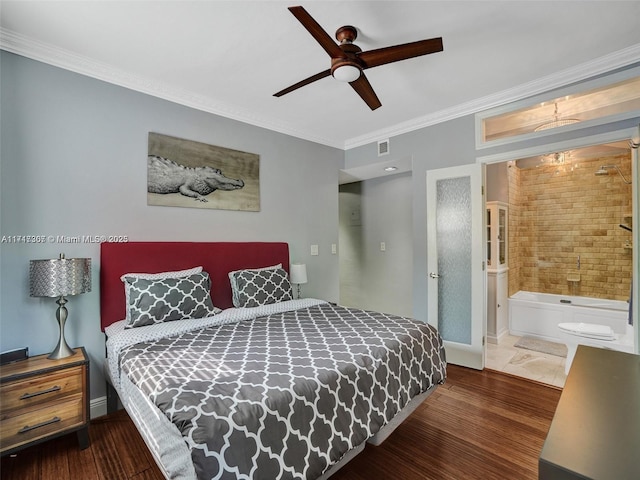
(162, 275)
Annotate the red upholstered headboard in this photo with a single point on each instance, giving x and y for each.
(216, 258)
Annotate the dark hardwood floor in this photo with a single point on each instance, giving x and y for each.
(479, 425)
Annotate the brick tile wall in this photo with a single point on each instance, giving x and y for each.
(559, 213)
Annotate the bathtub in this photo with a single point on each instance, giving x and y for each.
(538, 314)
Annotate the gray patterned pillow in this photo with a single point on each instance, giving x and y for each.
(164, 300)
(233, 277)
(152, 276)
(252, 288)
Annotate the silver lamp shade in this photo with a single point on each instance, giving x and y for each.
(59, 278)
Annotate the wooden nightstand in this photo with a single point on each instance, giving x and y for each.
(41, 399)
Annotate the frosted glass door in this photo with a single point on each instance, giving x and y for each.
(453, 232)
(456, 283)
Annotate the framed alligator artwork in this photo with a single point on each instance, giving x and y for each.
(185, 173)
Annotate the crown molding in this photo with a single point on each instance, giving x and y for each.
(43, 52)
(46, 53)
(598, 66)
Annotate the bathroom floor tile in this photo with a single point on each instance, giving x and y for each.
(537, 366)
(498, 357)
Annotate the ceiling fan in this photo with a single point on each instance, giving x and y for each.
(348, 61)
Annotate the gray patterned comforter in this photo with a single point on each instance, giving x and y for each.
(286, 395)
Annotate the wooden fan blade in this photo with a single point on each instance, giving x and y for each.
(365, 90)
(382, 56)
(302, 83)
(317, 32)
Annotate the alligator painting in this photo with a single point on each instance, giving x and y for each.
(166, 176)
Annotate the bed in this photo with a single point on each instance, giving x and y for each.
(233, 378)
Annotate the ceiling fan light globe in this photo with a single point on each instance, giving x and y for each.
(346, 73)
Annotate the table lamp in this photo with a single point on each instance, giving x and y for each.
(298, 275)
(59, 278)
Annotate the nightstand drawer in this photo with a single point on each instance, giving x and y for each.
(41, 389)
(22, 428)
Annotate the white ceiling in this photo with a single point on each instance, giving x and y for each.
(230, 57)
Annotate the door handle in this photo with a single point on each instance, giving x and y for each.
(434, 275)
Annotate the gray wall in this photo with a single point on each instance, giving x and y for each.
(351, 245)
(371, 278)
(73, 162)
(497, 182)
(443, 145)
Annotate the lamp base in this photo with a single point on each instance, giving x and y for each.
(62, 349)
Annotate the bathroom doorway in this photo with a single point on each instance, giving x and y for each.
(569, 232)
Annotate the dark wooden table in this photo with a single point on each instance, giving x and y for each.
(595, 432)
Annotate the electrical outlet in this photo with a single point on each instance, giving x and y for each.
(334, 249)
(314, 249)
(383, 246)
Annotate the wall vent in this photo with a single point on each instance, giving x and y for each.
(383, 147)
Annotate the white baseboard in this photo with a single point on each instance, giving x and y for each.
(495, 340)
(97, 407)
(502, 334)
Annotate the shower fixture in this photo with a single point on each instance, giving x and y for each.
(604, 170)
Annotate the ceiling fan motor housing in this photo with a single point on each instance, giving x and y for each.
(347, 33)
